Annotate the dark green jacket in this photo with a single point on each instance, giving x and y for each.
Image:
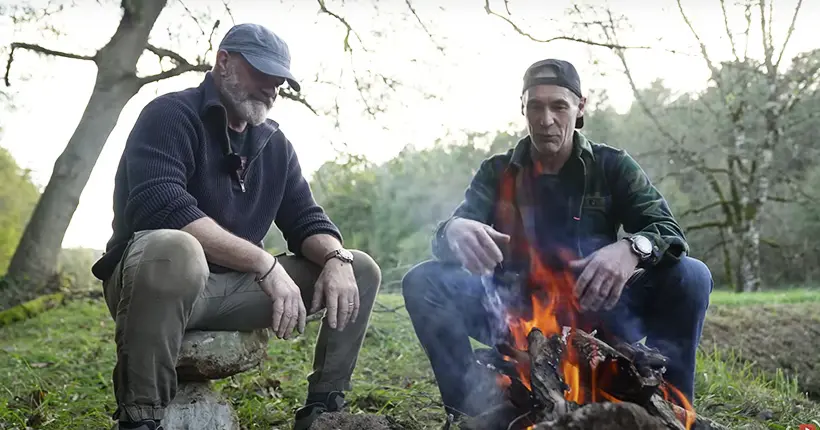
(615, 193)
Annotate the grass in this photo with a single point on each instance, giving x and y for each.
(55, 374)
(796, 295)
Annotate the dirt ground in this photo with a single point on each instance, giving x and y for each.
(783, 336)
(346, 421)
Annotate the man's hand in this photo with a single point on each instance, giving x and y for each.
(477, 246)
(604, 275)
(288, 308)
(337, 286)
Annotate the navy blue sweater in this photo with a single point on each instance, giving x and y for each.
(173, 171)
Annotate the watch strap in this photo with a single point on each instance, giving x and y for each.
(341, 254)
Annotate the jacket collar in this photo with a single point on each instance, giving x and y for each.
(521, 153)
(211, 101)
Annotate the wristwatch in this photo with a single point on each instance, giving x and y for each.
(641, 246)
(341, 254)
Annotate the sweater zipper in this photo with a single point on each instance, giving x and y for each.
(250, 162)
(577, 218)
(235, 174)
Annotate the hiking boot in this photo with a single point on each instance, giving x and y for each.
(306, 415)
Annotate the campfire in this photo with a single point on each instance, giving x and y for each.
(557, 375)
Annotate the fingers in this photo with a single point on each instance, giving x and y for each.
(355, 314)
(491, 250)
(318, 295)
(497, 236)
(332, 302)
(468, 259)
(593, 287)
(579, 264)
(302, 316)
(614, 294)
(278, 311)
(344, 311)
(485, 259)
(291, 317)
(583, 281)
(598, 291)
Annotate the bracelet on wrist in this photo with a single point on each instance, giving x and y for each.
(262, 278)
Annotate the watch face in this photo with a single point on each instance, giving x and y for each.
(643, 244)
(346, 255)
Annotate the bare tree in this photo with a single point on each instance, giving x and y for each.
(741, 181)
(35, 260)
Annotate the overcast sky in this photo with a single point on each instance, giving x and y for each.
(477, 78)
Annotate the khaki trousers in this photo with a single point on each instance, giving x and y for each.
(162, 287)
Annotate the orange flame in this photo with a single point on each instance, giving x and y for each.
(552, 295)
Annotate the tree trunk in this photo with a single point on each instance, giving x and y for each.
(749, 253)
(36, 257)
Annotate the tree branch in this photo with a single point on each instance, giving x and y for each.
(41, 50)
(789, 33)
(347, 25)
(702, 208)
(439, 47)
(728, 30)
(298, 98)
(182, 65)
(705, 225)
(715, 72)
(520, 31)
(162, 52)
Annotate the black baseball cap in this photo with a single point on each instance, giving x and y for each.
(554, 72)
(263, 49)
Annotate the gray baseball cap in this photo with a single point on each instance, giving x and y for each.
(263, 49)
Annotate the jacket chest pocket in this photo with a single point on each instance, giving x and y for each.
(597, 214)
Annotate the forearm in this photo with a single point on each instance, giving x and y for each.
(316, 247)
(227, 250)
(645, 211)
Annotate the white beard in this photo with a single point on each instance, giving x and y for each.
(253, 111)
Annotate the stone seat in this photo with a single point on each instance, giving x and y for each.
(203, 357)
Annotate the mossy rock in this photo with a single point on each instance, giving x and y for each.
(31, 308)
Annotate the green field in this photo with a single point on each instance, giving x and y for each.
(55, 372)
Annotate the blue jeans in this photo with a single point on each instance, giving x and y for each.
(666, 304)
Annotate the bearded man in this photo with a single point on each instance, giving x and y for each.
(203, 176)
(558, 193)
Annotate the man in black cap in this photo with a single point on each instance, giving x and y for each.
(203, 176)
(556, 194)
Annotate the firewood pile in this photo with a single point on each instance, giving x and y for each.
(573, 380)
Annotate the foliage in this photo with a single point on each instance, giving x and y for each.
(18, 195)
(55, 371)
(391, 210)
(75, 266)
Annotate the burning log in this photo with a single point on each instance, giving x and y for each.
(545, 377)
(574, 380)
(605, 416)
(628, 373)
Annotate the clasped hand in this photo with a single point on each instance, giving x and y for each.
(335, 288)
(478, 247)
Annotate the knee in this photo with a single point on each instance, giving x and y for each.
(695, 280)
(417, 283)
(172, 264)
(368, 274)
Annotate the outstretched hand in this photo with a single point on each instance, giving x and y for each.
(477, 246)
(336, 288)
(604, 276)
